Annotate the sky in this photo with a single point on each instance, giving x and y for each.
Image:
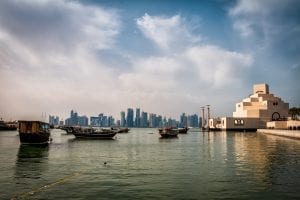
(165, 57)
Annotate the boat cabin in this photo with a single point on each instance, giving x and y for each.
(33, 126)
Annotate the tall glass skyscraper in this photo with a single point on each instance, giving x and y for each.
(138, 118)
(129, 119)
(123, 121)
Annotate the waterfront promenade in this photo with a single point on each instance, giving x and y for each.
(284, 133)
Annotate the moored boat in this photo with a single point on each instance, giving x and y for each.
(8, 126)
(183, 130)
(121, 130)
(70, 129)
(34, 132)
(92, 133)
(168, 132)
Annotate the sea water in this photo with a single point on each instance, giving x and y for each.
(141, 165)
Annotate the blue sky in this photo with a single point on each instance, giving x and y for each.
(165, 57)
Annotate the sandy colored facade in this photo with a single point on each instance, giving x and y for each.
(261, 104)
(254, 111)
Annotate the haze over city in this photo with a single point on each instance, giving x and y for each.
(165, 57)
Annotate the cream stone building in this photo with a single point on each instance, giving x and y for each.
(254, 111)
(261, 104)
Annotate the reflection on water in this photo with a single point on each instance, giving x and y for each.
(271, 161)
(139, 165)
(31, 162)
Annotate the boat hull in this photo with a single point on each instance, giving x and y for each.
(183, 130)
(5, 128)
(168, 132)
(101, 136)
(40, 138)
(168, 135)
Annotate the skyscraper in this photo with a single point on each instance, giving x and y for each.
(129, 118)
(138, 118)
(123, 121)
(183, 120)
(144, 120)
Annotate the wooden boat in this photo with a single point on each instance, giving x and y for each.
(121, 130)
(168, 132)
(8, 126)
(70, 129)
(34, 132)
(183, 130)
(92, 133)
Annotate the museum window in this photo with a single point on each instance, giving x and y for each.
(238, 122)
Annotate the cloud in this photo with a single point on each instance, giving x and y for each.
(167, 32)
(268, 20)
(52, 59)
(195, 73)
(48, 56)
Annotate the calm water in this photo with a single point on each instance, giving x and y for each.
(141, 166)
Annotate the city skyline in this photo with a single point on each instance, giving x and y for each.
(141, 120)
(163, 56)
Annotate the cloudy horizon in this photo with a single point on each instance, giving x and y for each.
(162, 57)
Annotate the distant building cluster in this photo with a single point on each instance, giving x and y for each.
(138, 119)
(53, 120)
(102, 120)
(150, 120)
(77, 120)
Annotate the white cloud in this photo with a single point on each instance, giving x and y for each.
(49, 62)
(47, 56)
(218, 67)
(167, 32)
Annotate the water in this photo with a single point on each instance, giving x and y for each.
(139, 165)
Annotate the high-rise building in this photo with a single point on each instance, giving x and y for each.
(83, 121)
(129, 118)
(192, 121)
(144, 120)
(152, 120)
(110, 121)
(138, 118)
(200, 122)
(123, 121)
(183, 120)
(53, 120)
(102, 120)
(76, 120)
(159, 121)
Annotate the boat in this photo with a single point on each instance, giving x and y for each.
(34, 132)
(121, 130)
(94, 133)
(183, 130)
(8, 126)
(168, 132)
(70, 129)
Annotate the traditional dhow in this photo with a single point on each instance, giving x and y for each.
(91, 133)
(121, 130)
(183, 130)
(8, 126)
(168, 132)
(34, 132)
(70, 129)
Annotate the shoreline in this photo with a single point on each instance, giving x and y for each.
(295, 134)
